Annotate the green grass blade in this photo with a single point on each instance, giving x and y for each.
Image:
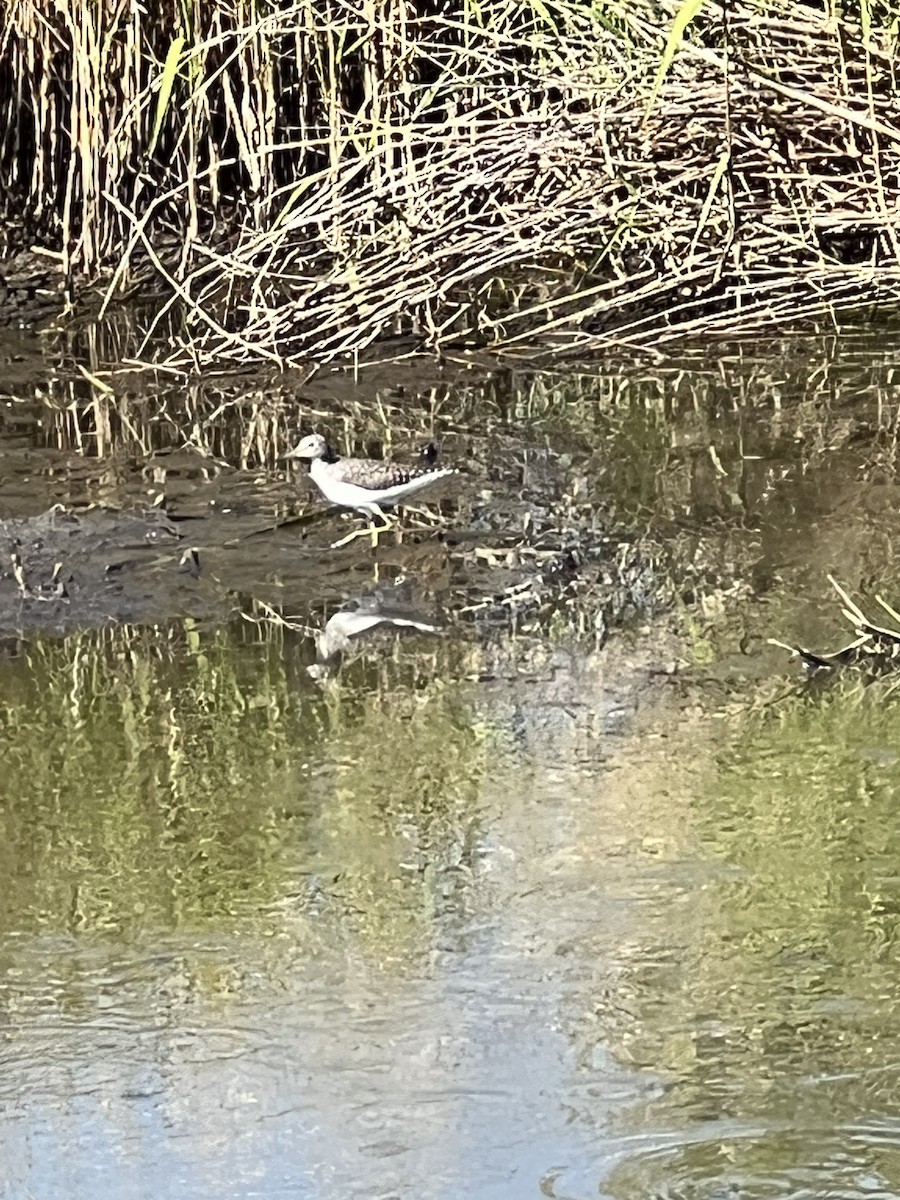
(683, 18)
(170, 70)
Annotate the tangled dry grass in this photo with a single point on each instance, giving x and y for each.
(312, 177)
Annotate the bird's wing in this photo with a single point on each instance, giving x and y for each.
(379, 476)
(351, 624)
(413, 623)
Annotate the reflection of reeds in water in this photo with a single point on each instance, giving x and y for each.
(160, 777)
(308, 178)
(684, 463)
(788, 819)
(132, 745)
(795, 393)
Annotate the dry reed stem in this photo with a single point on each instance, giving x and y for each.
(331, 173)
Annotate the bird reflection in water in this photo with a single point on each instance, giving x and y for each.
(384, 609)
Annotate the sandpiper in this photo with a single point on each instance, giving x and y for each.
(364, 484)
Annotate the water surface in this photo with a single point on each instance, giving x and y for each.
(554, 905)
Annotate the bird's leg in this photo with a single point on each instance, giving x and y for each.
(372, 529)
(386, 523)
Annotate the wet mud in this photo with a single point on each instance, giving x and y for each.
(127, 508)
(584, 502)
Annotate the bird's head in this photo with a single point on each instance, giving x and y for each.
(311, 447)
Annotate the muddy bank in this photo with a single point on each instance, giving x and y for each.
(172, 501)
(585, 501)
(73, 568)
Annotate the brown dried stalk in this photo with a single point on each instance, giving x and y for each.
(312, 179)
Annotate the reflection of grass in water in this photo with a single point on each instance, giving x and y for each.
(783, 964)
(786, 392)
(398, 820)
(771, 995)
(812, 794)
(806, 810)
(128, 778)
(154, 778)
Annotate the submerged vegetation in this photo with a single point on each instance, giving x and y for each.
(300, 180)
